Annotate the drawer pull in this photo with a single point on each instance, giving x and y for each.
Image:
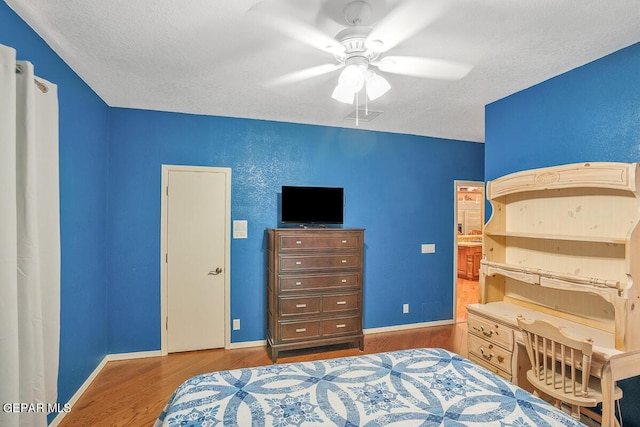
(344, 242)
(298, 242)
(485, 333)
(341, 302)
(301, 330)
(298, 283)
(301, 305)
(341, 325)
(344, 280)
(298, 262)
(487, 357)
(344, 261)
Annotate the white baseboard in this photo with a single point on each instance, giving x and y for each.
(134, 355)
(246, 344)
(74, 399)
(108, 358)
(407, 326)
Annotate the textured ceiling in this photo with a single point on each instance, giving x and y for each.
(212, 57)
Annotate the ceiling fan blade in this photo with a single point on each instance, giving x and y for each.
(423, 67)
(278, 18)
(300, 75)
(407, 19)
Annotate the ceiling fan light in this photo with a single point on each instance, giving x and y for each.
(352, 77)
(343, 93)
(376, 86)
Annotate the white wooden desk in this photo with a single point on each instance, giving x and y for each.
(608, 364)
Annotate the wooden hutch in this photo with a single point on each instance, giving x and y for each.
(563, 243)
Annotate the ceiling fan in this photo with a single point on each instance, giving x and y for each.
(360, 49)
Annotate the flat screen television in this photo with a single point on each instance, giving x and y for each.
(312, 205)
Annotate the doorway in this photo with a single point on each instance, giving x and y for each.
(468, 226)
(195, 264)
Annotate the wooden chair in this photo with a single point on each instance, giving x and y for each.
(561, 365)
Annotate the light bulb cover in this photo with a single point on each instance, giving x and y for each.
(376, 85)
(353, 77)
(344, 94)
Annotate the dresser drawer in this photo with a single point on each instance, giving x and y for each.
(341, 302)
(490, 367)
(341, 326)
(320, 242)
(491, 331)
(317, 282)
(489, 353)
(300, 305)
(300, 330)
(315, 262)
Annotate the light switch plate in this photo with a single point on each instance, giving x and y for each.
(239, 228)
(428, 248)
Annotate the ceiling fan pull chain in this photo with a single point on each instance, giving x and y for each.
(357, 107)
(366, 102)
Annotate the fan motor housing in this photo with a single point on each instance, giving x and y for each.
(354, 40)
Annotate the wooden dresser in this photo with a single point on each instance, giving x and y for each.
(314, 287)
(562, 244)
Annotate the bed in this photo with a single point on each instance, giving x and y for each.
(421, 387)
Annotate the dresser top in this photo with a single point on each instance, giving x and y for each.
(322, 229)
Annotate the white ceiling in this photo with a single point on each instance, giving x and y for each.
(208, 57)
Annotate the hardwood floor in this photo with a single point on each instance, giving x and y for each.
(467, 292)
(133, 392)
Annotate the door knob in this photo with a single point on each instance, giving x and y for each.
(215, 272)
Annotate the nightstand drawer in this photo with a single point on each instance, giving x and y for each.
(489, 353)
(342, 302)
(326, 281)
(300, 330)
(320, 242)
(300, 305)
(341, 326)
(319, 262)
(491, 331)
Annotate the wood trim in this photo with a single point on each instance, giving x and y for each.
(595, 175)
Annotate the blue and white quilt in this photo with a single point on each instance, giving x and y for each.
(418, 387)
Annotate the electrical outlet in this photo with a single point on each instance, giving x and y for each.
(405, 308)
(236, 324)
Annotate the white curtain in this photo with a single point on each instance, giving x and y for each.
(29, 243)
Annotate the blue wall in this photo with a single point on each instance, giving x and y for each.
(399, 187)
(83, 206)
(591, 113)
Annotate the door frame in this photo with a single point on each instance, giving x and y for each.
(163, 251)
(456, 184)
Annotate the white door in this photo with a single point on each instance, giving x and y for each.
(196, 260)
